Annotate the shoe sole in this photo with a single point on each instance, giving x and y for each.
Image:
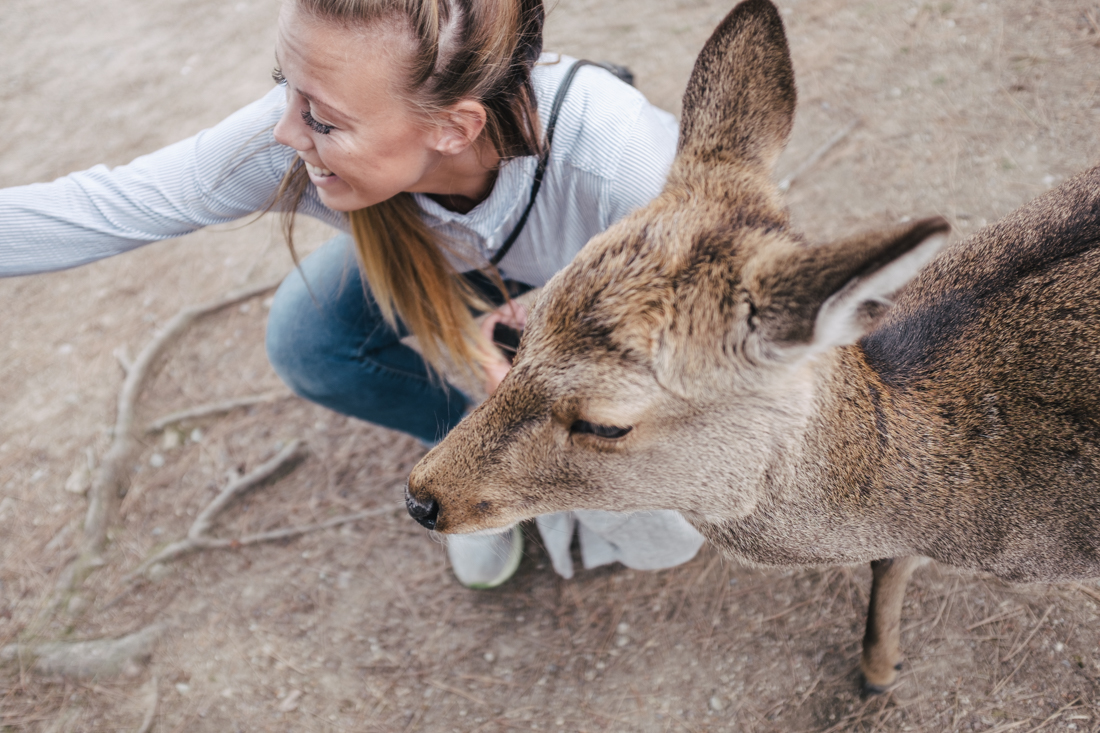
(510, 569)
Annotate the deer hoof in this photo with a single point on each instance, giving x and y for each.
(867, 689)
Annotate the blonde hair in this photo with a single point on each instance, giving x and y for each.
(481, 50)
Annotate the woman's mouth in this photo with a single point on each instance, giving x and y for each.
(317, 171)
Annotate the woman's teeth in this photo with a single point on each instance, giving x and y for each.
(317, 170)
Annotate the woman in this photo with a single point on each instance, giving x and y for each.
(413, 126)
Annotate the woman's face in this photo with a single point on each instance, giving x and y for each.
(360, 141)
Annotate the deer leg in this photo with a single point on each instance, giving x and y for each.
(881, 658)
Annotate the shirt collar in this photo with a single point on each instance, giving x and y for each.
(510, 192)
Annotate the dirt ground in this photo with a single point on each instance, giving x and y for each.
(967, 109)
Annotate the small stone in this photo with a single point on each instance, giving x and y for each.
(77, 605)
(489, 657)
(1059, 646)
(79, 481)
(156, 460)
(717, 704)
(183, 688)
(196, 436)
(158, 572)
(623, 628)
(290, 702)
(622, 641)
(171, 439)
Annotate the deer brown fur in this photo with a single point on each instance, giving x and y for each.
(881, 397)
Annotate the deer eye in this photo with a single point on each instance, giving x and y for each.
(600, 431)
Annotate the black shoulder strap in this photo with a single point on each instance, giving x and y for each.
(620, 71)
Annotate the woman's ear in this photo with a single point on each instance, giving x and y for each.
(460, 126)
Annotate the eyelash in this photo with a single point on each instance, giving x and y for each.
(318, 127)
(307, 117)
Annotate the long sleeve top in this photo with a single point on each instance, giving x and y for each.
(611, 153)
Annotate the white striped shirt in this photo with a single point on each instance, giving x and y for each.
(611, 154)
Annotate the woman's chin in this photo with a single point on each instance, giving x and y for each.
(339, 198)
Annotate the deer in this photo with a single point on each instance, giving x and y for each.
(885, 399)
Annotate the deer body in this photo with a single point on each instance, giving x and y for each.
(877, 399)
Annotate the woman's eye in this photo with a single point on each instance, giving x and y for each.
(277, 76)
(318, 127)
(609, 432)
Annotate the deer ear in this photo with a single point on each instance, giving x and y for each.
(739, 103)
(832, 295)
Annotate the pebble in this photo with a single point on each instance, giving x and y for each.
(172, 439)
(79, 481)
(183, 688)
(716, 704)
(158, 572)
(156, 460)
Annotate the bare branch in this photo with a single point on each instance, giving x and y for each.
(214, 408)
(202, 523)
(107, 482)
(85, 659)
(152, 699)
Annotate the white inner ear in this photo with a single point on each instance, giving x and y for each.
(843, 318)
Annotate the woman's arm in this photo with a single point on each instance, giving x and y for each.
(221, 174)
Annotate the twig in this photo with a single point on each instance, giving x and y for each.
(199, 538)
(1009, 726)
(122, 356)
(103, 496)
(214, 408)
(1088, 591)
(1057, 712)
(1005, 681)
(151, 712)
(786, 183)
(201, 526)
(1030, 636)
(85, 659)
(996, 617)
(455, 691)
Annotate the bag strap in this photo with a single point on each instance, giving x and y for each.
(540, 171)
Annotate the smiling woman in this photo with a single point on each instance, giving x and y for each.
(414, 127)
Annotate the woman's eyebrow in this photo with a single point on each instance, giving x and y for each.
(330, 111)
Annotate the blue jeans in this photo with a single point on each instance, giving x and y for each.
(330, 345)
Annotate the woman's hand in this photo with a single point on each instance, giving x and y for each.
(511, 314)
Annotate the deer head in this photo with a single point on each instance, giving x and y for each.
(666, 366)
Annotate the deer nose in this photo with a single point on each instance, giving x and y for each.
(423, 512)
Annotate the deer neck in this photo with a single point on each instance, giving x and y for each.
(826, 492)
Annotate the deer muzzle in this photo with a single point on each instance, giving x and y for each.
(425, 512)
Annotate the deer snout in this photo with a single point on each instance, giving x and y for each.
(425, 512)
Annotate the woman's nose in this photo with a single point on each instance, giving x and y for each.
(290, 130)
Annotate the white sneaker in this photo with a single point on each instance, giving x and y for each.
(485, 561)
